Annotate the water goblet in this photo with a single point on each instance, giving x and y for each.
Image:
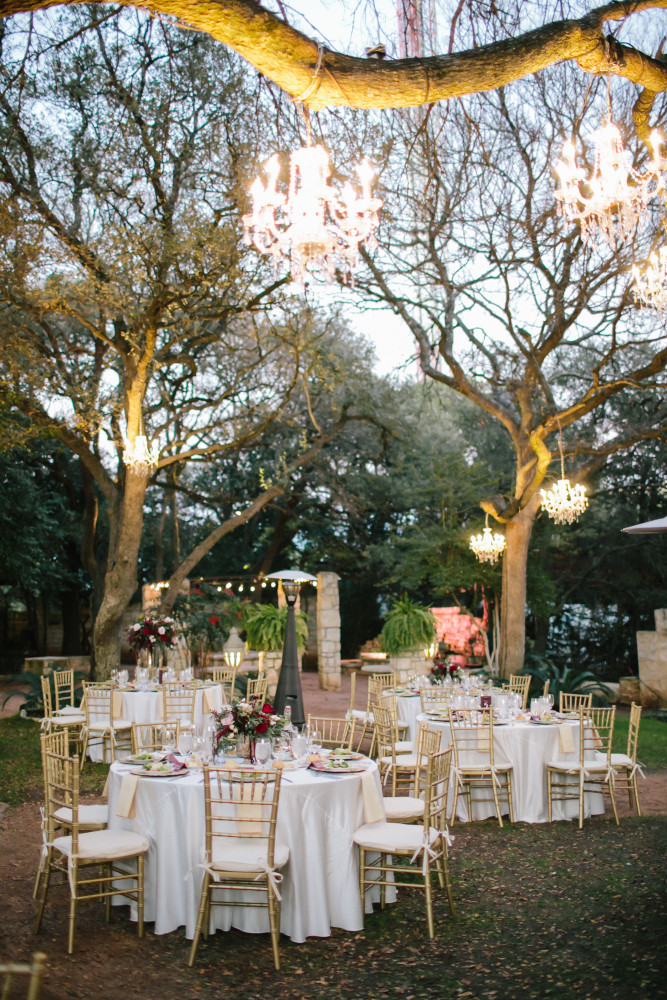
(169, 738)
(299, 745)
(185, 742)
(263, 750)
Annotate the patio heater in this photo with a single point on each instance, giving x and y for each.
(288, 691)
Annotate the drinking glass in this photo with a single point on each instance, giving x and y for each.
(185, 743)
(549, 699)
(169, 738)
(263, 751)
(299, 745)
(314, 739)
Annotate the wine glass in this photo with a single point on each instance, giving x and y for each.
(185, 743)
(169, 738)
(315, 740)
(263, 750)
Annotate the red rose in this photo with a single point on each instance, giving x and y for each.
(267, 709)
(214, 620)
(262, 727)
(145, 631)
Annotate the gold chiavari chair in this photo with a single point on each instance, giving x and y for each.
(520, 684)
(63, 689)
(149, 737)
(87, 861)
(594, 771)
(404, 768)
(241, 849)
(178, 702)
(547, 685)
(101, 725)
(257, 688)
(625, 764)
(568, 702)
(91, 815)
(32, 973)
(73, 723)
(475, 765)
(434, 698)
(409, 807)
(422, 849)
(333, 732)
(226, 677)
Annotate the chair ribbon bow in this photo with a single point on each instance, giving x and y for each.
(637, 767)
(274, 876)
(428, 848)
(45, 723)
(206, 865)
(459, 772)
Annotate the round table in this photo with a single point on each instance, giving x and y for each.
(317, 817)
(146, 707)
(528, 747)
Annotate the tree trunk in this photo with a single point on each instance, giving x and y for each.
(120, 581)
(513, 606)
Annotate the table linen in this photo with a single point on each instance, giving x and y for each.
(317, 817)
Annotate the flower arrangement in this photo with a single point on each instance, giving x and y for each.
(151, 633)
(250, 718)
(444, 665)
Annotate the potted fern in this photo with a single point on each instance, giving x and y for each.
(409, 628)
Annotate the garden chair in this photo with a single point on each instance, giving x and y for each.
(257, 688)
(149, 737)
(241, 850)
(178, 702)
(593, 772)
(423, 849)
(434, 698)
(226, 677)
(520, 684)
(404, 768)
(625, 764)
(475, 765)
(33, 973)
(73, 723)
(333, 732)
(63, 690)
(101, 725)
(573, 702)
(88, 862)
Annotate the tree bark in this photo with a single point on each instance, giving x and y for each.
(120, 581)
(513, 603)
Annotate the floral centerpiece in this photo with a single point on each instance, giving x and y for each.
(153, 634)
(444, 665)
(245, 721)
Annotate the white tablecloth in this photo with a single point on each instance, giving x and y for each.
(409, 707)
(316, 819)
(528, 748)
(146, 706)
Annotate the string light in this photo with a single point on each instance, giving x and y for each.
(488, 546)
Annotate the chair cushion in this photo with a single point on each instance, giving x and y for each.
(68, 720)
(404, 746)
(91, 815)
(68, 710)
(599, 766)
(620, 760)
(246, 855)
(358, 713)
(405, 760)
(392, 838)
(102, 727)
(402, 807)
(104, 844)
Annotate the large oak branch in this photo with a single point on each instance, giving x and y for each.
(290, 58)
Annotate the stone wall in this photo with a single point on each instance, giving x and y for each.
(328, 631)
(652, 656)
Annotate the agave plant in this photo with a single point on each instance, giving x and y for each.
(407, 626)
(33, 703)
(564, 679)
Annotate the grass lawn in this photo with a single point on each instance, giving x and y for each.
(652, 747)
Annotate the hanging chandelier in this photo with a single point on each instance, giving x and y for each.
(564, 503)
(651, 282)
(488, 545)
(138, 457)
(610, 202)
(312, 227)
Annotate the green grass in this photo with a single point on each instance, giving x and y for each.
(21, 767)
(652, 751)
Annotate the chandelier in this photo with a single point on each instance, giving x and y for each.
(312, 227)
(138, 457)
(610, 202)
(489, 545)
(564, 503)
(651, 283)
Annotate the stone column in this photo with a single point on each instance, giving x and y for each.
(328, 631)
(652, 657)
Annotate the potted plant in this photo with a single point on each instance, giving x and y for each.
(264, 626)
(409, 629)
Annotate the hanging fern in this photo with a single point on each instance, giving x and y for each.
(264, 625)
(408, 626)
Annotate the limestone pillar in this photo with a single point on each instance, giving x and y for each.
(328, 631)
(652, 657)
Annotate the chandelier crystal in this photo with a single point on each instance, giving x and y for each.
(312, 227)
(610, 202)
(564, 503)
(138, 457)
(488, 545)
(651, 282)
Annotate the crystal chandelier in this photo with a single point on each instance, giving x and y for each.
(138, 457)
(313, 227)
(564, 503)
(489, 545)
(611, 201)
(651, 283)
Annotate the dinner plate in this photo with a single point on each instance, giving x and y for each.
(346, 755)
(145, 773)
(141, 758)
(545, 722)
(327, 767)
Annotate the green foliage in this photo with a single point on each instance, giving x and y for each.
(265, 627)
(564, 679)
(652, 746)
(33, 703)
(205, 616)
(408, 626)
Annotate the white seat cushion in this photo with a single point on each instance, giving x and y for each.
(103, 727)
(68, 710)
(402, 807)
(621, 760)
(91, 815)
(357, 713)
(404, 746)
(599, 766)
(104, 845)
(392, 838)
(246, 855)
(68, 720)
